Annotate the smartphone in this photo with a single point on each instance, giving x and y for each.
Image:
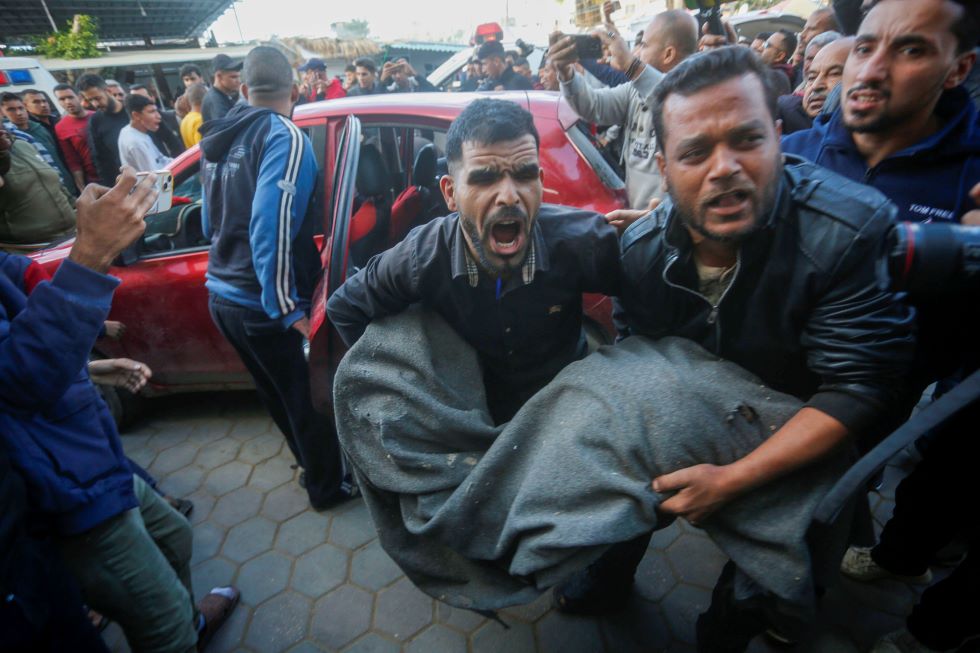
(616, 6)
(587, 46)
(165, 190)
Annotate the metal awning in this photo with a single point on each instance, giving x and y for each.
(119, 20)
(147, 57)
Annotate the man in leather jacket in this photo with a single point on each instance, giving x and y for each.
(770, 264)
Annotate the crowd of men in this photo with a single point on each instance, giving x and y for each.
(762, 178)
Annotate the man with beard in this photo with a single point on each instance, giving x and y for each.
(104, 126)
(505, 271)
(770, 266)
(906, 126)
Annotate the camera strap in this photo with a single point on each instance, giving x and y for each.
(931, 417)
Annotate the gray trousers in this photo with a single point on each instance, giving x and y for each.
(135, 569)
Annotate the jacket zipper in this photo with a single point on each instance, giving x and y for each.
(713, 313)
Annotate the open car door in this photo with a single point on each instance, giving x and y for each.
(326, 347)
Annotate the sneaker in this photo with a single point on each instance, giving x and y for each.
(215, 609)
(348, 490)
(587, 594)
(859, 565)
(901, 641)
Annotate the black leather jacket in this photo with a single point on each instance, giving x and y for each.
(803, 312)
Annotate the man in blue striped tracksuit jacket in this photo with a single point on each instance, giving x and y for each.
(259, 176)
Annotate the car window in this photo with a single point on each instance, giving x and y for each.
(188, 183)
(411, 158)
(608, 171)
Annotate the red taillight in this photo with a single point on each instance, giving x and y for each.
(4, 80)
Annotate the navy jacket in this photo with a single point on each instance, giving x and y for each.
(259, 176)
(928, 181)
(54, 425)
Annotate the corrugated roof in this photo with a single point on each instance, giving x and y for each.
(427, 46)
(119, 20)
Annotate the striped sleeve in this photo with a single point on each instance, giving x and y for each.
(286, 175)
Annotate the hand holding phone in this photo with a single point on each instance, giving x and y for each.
(165, 190)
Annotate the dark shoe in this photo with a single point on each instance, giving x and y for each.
(348, 490)
(588, 593)
(216, 607)
(183, 506)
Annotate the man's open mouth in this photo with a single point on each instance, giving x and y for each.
(865, 99)
(507, 237)
(730, 202)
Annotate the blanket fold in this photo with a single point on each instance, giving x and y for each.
(483, 516)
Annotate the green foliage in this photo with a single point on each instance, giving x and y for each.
(352, 29)
(78, 41)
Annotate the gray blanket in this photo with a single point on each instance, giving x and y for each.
(483, 516)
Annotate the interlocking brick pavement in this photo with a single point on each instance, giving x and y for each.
(321, 581)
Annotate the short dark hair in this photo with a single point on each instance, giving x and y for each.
(90, 80)
(705, 70)
(762, 35)
(487, 121)
(64, 87)
(138, 87)
(267, 73)
(189, 69)
(789, 40)
(365, 62)
(136, 103)
(10, 97)
(350, 68)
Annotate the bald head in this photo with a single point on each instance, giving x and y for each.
(824, 74)
(267, 74)
(671, 37)
(815, 45)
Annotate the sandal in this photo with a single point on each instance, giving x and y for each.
(216, 607)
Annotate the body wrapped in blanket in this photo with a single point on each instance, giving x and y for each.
(483, 516)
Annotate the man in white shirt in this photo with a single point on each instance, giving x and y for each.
(136, 148)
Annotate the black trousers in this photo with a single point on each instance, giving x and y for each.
(934, 504)
(275, 360)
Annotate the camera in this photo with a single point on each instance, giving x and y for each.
(931, 260)
(524, 48)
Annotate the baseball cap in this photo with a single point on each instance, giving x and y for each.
(313, 64)
(490, 49)
(224, 62)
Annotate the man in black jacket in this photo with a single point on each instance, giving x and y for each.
(499, 76)
(104, 126)
(505, 271)
(770, 265)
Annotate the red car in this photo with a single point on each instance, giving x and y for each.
(380, 159)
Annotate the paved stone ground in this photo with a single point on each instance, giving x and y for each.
(321, 582)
